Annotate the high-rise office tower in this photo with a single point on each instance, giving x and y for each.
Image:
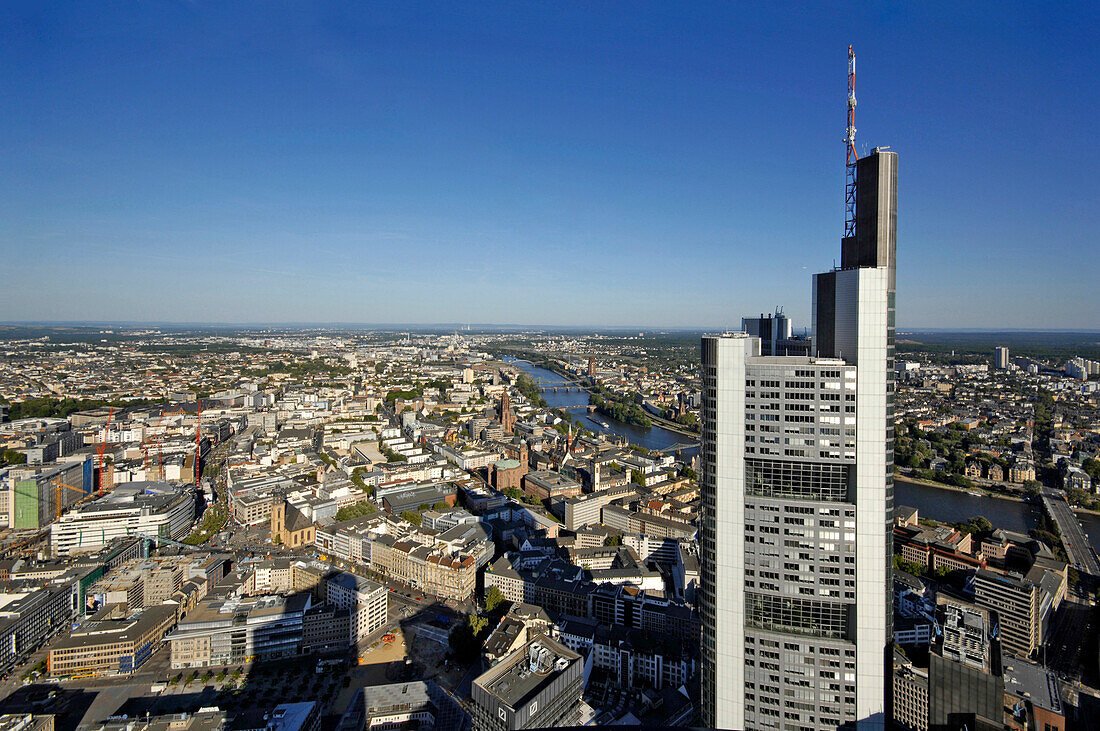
(1000, 358)
(775, 334)
(798, 498)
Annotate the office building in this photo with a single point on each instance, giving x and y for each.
(40, 495)
(537, 686)
(1000, 358)
(775, 334)
(367, 602)
(965, 686)
(797, 499)
(29, 618)
(1016, 602)
(150, 509)
(1035, 694)
(239, 630)
(112, 641)
(417, 705)
(305, 716)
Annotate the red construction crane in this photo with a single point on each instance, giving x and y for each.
(853, 156)
(101, 450)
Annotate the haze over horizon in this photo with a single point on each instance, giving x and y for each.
(584, 166)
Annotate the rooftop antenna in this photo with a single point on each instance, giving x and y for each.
(853, 156)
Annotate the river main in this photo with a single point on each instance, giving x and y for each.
(932, 502)
(656, 437)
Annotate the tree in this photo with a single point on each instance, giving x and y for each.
(464, 643)
(910, 567)
(478, 623)
(613, 540)
(493, 599)
(10, 456)
(412, 516)
(356, 510)
(441, 505)
(637, 477)
(688, 473)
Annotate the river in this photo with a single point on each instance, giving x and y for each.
(656, 437)
(932, 502)
(956, 506)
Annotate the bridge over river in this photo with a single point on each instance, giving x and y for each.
(1078, 548)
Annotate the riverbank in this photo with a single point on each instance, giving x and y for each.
(657, 437)
(553, 367)
(898, 477)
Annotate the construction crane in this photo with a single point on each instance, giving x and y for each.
(853, 156)
(58, 496)
(101, 450)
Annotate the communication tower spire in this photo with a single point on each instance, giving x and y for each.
(853, 156)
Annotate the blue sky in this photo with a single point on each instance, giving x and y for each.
(564, 164)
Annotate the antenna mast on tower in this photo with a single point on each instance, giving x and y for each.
(853, 156)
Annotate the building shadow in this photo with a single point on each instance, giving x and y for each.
(66, 706)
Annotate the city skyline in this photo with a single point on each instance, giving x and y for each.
(554, 169)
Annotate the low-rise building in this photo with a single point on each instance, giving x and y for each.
(417, 704)
(239, 630)
(113, 641)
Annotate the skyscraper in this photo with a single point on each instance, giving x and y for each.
(798, 498)
(1000, 358)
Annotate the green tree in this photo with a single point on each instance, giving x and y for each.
(493, 599)
(10, 456)
(412, 516)
(478, 623)
(637, 477)
(464, 643)
(688, 473)
(356, 510)
(615, 540)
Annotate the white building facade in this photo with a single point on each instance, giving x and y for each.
(797, 500)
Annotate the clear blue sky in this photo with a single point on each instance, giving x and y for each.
(574, 164)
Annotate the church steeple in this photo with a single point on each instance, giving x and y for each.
(507, 418)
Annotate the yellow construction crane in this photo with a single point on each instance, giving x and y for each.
(59, 484)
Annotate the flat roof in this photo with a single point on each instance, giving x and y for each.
(514, 680)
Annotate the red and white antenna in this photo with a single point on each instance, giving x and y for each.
(853, 156)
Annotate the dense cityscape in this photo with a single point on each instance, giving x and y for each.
(246, 484)
(421, 509)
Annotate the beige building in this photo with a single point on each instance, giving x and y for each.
(111, 642)
(434, 570)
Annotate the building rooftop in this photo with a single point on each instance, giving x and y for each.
(1037, 684)
(526, 672)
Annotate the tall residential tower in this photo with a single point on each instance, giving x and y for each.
(798, 498)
